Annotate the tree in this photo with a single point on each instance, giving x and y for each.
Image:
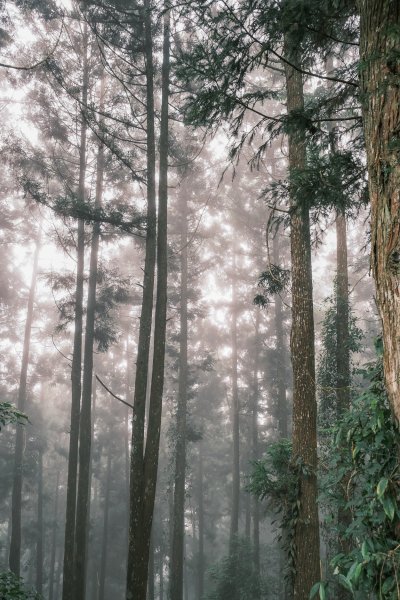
(306, 529)
(15, 545)
(144, 461)
(178, 534)
(379, 74)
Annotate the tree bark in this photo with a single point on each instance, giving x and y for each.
(306, 531)
(85, 422)
(136, 578)
(104, 545)
(16, 501)
(380, 93)
(144, 469)
(76, 369)
(178, 534)
(282, 407)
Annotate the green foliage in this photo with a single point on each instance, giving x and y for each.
(276, 477)
(235, 577)
(366, 444)
(9, 414)
(273, 281)
(12, 588)
(327, 370)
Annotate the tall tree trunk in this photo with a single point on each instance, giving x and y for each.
(255, 445)
(136, 578)
(234, 529)
(282, 407)
(200, 560)
(380, 93)
(54, 539)
(306, 530)
(85, 422)
(40, 528)
(16, 501)
(178, 534)
(104, 545)
(144, 470)
(76, 369)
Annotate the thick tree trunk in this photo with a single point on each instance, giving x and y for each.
(76, 369)
(16, 501)
(136, 571)
(40, 528)
(144, 470)
(306, 531)
(380, 93)
(178, 534)
(54, 539)
(85, 422)
(104, 545)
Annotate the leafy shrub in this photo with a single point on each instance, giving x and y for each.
(12, 588)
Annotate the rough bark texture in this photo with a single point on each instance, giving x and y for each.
(380, 72)
(16, 500)
(178, 534)
(85, 422)
(306, 534)
(76, 368)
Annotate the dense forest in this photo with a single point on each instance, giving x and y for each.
(200, 300)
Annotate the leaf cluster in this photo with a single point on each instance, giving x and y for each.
(9, 414)
(371, 441)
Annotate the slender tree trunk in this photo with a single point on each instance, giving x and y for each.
(144, 471)
(235, 423)
(282, 408)
(40, 528)
(136, 571)
(200, 560)
(178, 535)
(85, 422)
(255, 446)
(76, 369)
(16, 501)
(104, 545)
(306, 531)
(54, 540)
(380, 93)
